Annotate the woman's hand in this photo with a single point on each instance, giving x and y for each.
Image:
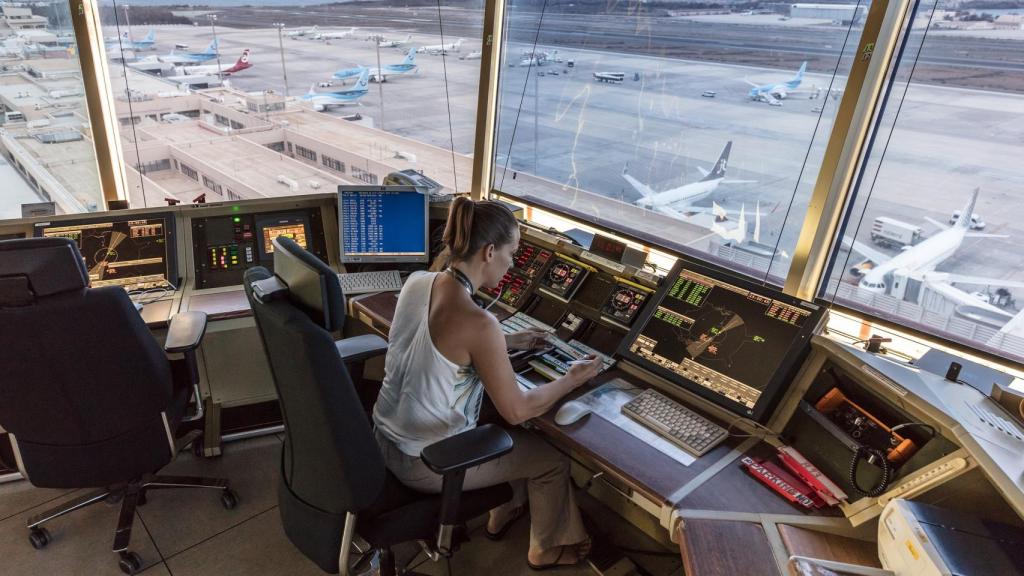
(526, 340)
(583, 370)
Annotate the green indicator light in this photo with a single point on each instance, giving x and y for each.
(237, 219)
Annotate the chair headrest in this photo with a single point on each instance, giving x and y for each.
(32, 268)
(311, 283)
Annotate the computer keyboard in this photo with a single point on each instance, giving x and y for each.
(675, 422)
(369, 282)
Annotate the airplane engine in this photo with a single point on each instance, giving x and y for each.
(779, 93)
(859, 270)
(319, 107)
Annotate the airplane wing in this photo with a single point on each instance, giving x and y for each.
(747, 80)
(703, 171)
(957, 295)
(967, 279)
(668, 211)
(739, 181)
(936, 223)
(865, 250)
(983, 235)
(768, 98)
(640, 187)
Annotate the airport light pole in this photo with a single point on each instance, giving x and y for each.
(216, 45)
(128, 23)
(380, 85)
(280, 45)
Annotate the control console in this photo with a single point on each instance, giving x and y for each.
(224, 247)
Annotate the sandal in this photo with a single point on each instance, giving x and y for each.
(517, 513)
(558, 561)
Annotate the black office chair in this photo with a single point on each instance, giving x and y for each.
(89, 398)
(334, 483)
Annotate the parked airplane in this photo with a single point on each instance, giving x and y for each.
(475, 55)
(772, 94)
(678, 202)
(538, 58)
(890, 275)
(383, 43)
(242, 64)
(442, 48)
(612, 77)
(192, 57)
(123, 43)
(337, 35)
(299, 33)
(378, 75)
(323, 100)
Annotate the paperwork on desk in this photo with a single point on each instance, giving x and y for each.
(607, 400)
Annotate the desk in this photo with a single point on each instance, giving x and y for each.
(713, 493)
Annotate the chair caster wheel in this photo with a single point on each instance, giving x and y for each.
(39, 538)
(130, 563)
(229, 499)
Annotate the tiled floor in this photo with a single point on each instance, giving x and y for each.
(188, 533)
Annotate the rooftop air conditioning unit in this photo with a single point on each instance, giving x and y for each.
(291, 184)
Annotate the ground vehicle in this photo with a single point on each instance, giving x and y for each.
(977, 223)
(325, 84)
(570, 63)
(894, 233)
(708, 93)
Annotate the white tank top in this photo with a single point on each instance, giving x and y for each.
(425, 397)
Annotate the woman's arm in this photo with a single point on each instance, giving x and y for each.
(490, 358)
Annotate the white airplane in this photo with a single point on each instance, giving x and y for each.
(774, 93)
(441, 48)
(300, 32)
(336, 35)
(394, 43)
(206, 69)
(919, 262)
(538, 58)
(475, 55)
(678, 202)
(381, 74)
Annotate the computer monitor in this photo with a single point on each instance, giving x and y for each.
(136, 251)
(731, 341)
(383, 224)
(294, 225)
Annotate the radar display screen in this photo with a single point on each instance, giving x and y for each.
(732, 341)
(296, 232)
(626, 301)
(564, 277)
(133, 253)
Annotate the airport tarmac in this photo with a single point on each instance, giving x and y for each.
(573, 131)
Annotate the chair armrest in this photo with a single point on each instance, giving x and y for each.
(361, 347)
(451, 458)
(468, 449)
(185, 331)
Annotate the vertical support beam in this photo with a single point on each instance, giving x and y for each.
(85, 18)
(845, 151)
(487, 99)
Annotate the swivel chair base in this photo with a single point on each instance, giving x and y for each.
(131, 496)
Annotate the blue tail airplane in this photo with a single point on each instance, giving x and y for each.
(192, 57)
(772, 94)
(323, 100)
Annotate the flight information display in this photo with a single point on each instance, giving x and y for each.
(383, 224)
(565, 276)
(731, 343)
(626, 301)
(129, 253)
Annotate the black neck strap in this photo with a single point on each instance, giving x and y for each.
(461, 279)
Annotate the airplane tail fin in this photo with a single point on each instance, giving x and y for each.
(718, 172)
(798, 77)
(312, 90)
(965, 214)
(150, 37)
(364, 80)
(211, 48)
(410, 57)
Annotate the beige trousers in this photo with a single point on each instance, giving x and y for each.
(533, 468)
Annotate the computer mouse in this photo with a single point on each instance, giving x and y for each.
(571, 412)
